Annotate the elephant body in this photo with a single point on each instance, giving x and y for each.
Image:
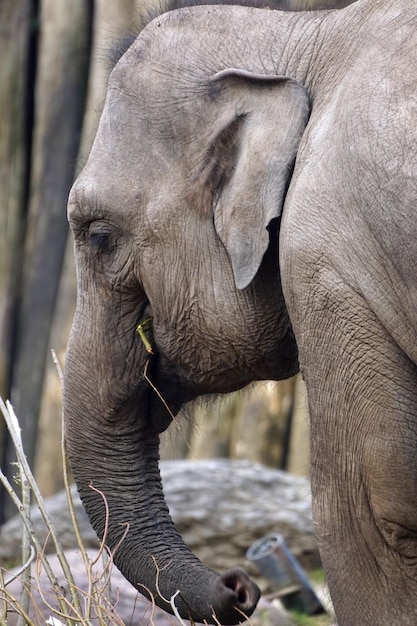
(252, 189)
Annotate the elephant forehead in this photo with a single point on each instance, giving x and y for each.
(124, 166)
(144, 132)
(159, 114)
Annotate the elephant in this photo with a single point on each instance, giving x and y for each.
(154, 8)
(161, 6)
(247, 212)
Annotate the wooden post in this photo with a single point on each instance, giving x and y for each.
(15, 121)
(14, 44)
(61, 79)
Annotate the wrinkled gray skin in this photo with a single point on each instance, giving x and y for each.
(192, 161)
(154, 8)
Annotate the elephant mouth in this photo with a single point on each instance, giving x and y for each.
(165, 393)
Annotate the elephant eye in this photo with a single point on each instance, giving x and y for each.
(100, 237)
(100, 242)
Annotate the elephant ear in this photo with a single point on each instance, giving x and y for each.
(263, 120)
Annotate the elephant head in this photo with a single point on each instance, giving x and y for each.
(219, 179)
(166, 229)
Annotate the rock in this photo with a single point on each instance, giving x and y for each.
(219, 506)
(57, 508)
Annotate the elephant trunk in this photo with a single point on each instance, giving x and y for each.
(119, 465)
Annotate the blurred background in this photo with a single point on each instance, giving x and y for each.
(54, 64)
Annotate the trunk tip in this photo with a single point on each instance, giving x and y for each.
(237, 597)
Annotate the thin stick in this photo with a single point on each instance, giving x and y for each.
(157, 580)
(12, 600)
(26, 549)
(174, 608)
(150, 383)
(65, 470)
(21, 569)
(247, 619)
(3, 605)
(107, 562)
(28, 524)
(102, 550)
(58, 368)
(63, 601)
(14, 430)
(152, 602)
(106, 523)
(92, 589)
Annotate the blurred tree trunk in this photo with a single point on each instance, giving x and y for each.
(61, 79)
(261, 429)
(16, 45)
(212, 423)
(112, 21)
(267, 423)
(298, 456)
